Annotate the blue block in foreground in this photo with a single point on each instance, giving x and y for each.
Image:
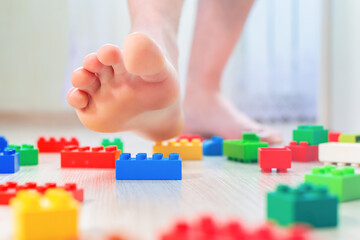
(3, 143)
(144, 168)
(213, 146)
(9, 161)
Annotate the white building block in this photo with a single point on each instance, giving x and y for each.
(340, 153)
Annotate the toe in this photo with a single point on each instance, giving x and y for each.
(77, 98)
(85, 80)
(270, 135)
(93, 64)
(110, 55)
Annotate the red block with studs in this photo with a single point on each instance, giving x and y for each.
(84, 157)
(278, 158)
(10, 189)
(303, 152)
(333, 136)
(208, 228)
(55, 146)
(189, 137)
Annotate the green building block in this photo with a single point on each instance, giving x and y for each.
(349, 138)
(314, 135)
(28, 155)
(305, 204)
(244, 150)
(117, 142)
(343, 183)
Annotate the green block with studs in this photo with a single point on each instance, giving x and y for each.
(244, 150)
(313, 135)
(343, 183)
(117, 142)
(307, 204)
(349, 138)
(28, 154)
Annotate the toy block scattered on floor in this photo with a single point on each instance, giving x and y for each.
(189, 137)
(213, 146)
(278, 158)
(117, 142)
(55, 146)
(334, 136)
(53, 215)
(343, 183)
(340, 154)
(244, 150)
(84, 157)
(208, 228)
(305, 204)
(187, 150)
(3, 143)
(349, 138)
(314, 135)
(28, 155)
(10, 189)
(143, 168)
(303, 152)
(9, 161)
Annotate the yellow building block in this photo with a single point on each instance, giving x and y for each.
(187, 150)
(51, 216)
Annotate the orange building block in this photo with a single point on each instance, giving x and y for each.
(187, 150)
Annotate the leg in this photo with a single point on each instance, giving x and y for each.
(218, 26)
(136, 89)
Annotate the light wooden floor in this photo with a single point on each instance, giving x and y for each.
(142, 209)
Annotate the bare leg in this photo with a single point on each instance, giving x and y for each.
(218, 27)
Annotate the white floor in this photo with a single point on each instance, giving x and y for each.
(142, 209)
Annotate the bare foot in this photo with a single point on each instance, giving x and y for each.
(207, 112)
(138, 91)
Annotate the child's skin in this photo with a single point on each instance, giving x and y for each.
(137, 88)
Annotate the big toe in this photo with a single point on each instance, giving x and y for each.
(270, 135)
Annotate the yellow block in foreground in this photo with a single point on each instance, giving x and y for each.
(187, 150)
(52, 216)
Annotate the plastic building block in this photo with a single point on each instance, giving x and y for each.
(3, 143)
(53, 215)
(343, 183)
(9, 161)
(10, 189)
(314, 135)
(334, 136)
(208, 228)
(28, 155)
(245, 150)
(189, 137)
(117, 142)
(305, 204)
(187, 150)
(144, 168)
(278, 158)
(349, 138)
(303, 152)
(213, 146)
(55, 146)
(340, 154)
(83, 157)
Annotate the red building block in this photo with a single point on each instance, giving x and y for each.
(334, 136)
(189, 137)
(54, 146)
(279, 158)
(83, 157)
(10, 189)
(303, 152)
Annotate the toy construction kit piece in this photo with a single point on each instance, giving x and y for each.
(274, 158)
(349, 138)
(303, 152)
(28, 155)
(343, 183)
(84, 157)
(213, 146)
(116, 142)
(143, 168)
(340, 154)
(9, 161)
(3, 143)
(189, 137)
(55, 146)
(334, 136)
(314, 135)
(244, 150)
(187, 150)
(305, 204)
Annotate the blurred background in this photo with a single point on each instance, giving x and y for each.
(297, 60)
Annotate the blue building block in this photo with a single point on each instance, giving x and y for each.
(143, 168)
(9, 161)
(213, 146)
(3, 143)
